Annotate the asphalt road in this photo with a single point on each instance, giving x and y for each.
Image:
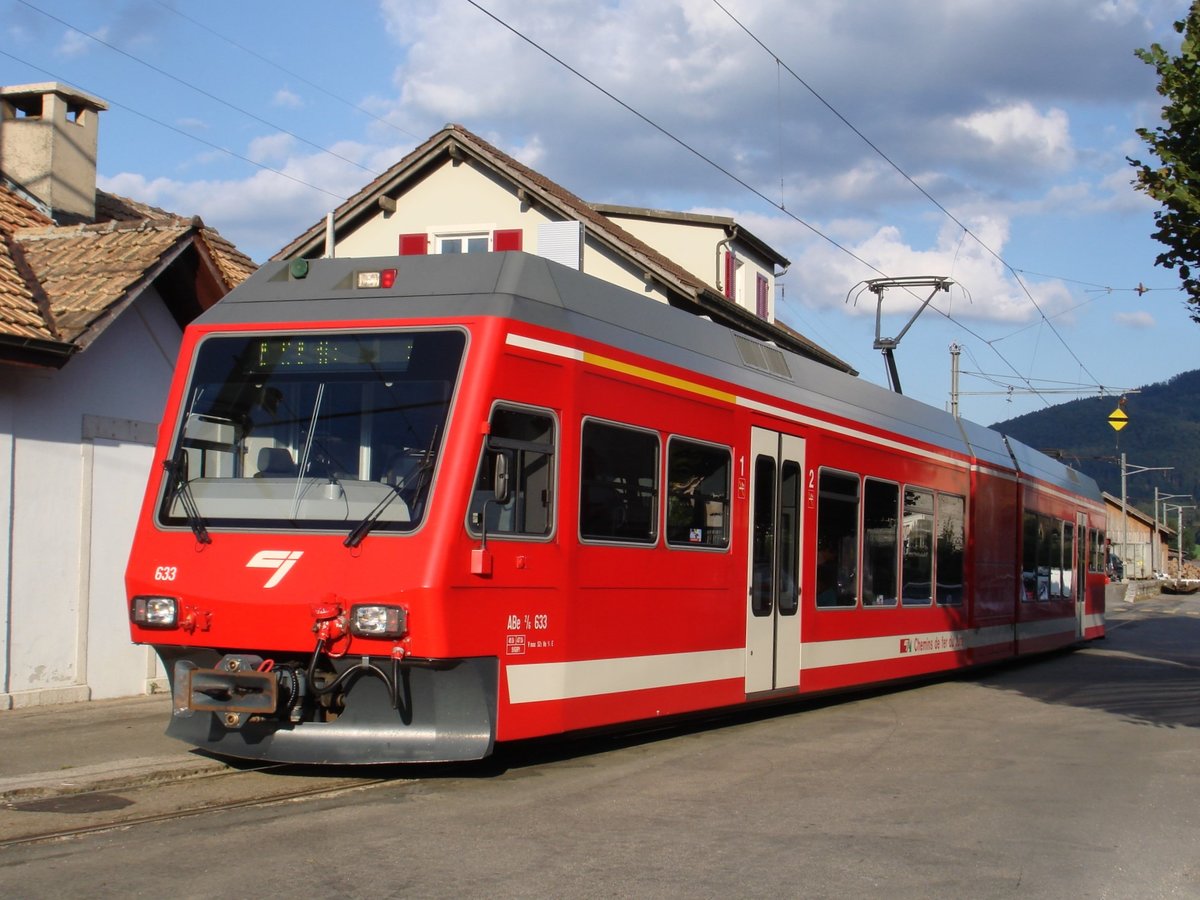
(1075, 775)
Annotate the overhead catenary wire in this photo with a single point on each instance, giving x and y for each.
(199, 90)
(149, 118)
(966, 229)
(723, 170)
(671, 136)
(286, 71)
(780, 66)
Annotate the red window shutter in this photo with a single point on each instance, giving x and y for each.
(506, 239)
(760, 296)
(414, 244)
(730, 271)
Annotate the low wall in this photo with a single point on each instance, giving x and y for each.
(1130, 591)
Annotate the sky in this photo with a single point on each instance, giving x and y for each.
(972, 140)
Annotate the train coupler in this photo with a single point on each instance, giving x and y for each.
(238, 687)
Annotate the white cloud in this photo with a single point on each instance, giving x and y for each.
(825, 276)
(933, 83)
(74, 44)
(1019, 131)
(287, 99)
(271, 147)
(260, 213)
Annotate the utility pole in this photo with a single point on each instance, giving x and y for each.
(1178, 533)
(955, 351)
(1164, 498)
(1125, 471)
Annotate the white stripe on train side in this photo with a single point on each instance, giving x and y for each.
(538, 682)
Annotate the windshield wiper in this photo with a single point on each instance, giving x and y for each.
(363, 528)
(181, 488)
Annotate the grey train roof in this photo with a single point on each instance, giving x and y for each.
(535, 290)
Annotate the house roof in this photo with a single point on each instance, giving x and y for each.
(454, 142)
(727, 223)
(61, 286)
(1133, 513)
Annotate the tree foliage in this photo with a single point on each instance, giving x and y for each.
(1175, 180)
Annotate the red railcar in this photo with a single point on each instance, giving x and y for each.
(409, 508)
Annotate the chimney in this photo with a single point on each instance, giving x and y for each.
(48, 138)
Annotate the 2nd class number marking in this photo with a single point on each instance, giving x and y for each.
(165, 573)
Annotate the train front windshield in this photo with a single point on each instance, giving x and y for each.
(315, 431)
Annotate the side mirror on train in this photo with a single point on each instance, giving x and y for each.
(501, 482)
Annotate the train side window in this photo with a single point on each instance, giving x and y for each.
(950, 540)
(837, 540)
(1096, 547)
(791, 483)
(1068, 559)
(917, 586)
(881, 529)
(525, 438)
(762, 588)
(1055, 533)
(1044, 555)
(618, 484)
(697, 494)
(1029, 545)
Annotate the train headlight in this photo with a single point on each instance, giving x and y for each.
(155, 612)
(370, 620)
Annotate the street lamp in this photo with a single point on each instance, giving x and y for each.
(1178, 532)
(1125, 472)
(1154, 538)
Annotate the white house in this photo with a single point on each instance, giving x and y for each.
(95, 291)
(456, 193)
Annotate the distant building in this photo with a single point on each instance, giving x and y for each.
(95, 290)
(1131, 542)
(456, 193)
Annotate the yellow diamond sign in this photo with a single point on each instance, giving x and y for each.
(1117, 419)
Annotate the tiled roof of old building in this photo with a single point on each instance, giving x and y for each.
(60, 286)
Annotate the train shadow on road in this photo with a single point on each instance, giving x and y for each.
(1147, 671)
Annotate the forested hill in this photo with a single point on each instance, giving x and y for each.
(1163, 430)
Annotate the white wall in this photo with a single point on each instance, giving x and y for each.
(696, 246)
(53, 596)
(464, 197)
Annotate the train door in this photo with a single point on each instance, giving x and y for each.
(773, 576)
(1081, 569)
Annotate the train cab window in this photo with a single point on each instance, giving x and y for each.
(697, 494)
(950, 541)
(837, 540)
(917, 586)
(337, 430)
(618, 484)
(881, 529)
(522, 441)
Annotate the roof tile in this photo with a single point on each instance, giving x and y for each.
(58, 283)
